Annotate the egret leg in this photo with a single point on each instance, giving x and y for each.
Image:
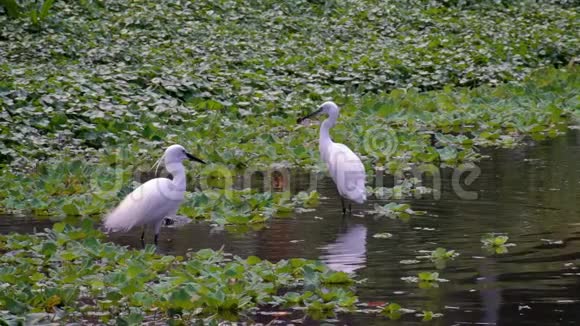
(349, 207)
(157, 228)
(343, 207)
(143, 237)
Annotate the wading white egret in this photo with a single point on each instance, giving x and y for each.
(157, 198)
(345, 167)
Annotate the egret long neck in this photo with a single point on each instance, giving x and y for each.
(178, 172)
(325, 139)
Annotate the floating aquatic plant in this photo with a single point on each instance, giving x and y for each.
(71, 275)
(439, 256)
(394, 210)
(243, 206)
(496, 243)
(425, 280)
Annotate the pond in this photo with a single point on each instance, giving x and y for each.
(530, 193)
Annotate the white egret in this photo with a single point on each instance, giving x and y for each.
(157, 198)
(345, 167)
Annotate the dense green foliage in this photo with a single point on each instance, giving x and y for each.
(92, 91)
(388, 130)
(74, 188)
(93, 97)
(35, 11)
(68, 274)
(104, 74)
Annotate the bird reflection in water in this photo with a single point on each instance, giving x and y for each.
(491, 297)
(348, 252)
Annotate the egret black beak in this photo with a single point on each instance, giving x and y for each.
(193, 158)
(315, 113)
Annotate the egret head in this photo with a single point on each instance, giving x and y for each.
(176, 153)
(330, 108)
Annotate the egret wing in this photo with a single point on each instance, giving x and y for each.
(347, 171)
(147, 204)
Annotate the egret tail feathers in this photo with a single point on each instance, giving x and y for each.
(120, 219)
(360, 197)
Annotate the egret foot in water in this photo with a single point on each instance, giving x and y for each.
(344, 206)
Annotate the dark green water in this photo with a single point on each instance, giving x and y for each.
(532, 193)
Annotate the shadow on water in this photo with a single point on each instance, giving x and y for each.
(532, 193)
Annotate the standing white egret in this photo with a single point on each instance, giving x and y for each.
(345, 167)
(157, 198)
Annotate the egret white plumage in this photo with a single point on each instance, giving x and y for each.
(157, 198)
(345, 167)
